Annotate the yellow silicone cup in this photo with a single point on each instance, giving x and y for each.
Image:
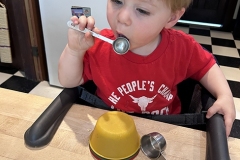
(115, 136)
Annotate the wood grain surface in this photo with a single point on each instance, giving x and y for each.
(18, 111)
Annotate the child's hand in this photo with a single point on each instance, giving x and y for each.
(78, 41)
(224, 105)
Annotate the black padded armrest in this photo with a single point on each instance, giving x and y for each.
(217, 145)
(43, 129)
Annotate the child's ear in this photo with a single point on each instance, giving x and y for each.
(175, 17)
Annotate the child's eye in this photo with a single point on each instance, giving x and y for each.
(117, 1)
(143, 11)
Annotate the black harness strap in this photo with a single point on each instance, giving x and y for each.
(92, 99)
(179, 119)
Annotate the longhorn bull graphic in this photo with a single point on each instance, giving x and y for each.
(143, 101)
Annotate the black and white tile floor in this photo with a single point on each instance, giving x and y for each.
(226, 49)
(223, 45)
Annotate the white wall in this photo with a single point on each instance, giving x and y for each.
(54, 17)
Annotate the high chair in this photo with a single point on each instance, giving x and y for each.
(195, 101)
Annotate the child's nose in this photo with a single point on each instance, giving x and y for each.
(124, 16)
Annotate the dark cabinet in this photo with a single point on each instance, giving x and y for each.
(236, 31)
(212, 11)
(26, 38)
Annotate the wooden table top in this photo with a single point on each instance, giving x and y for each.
(18, 111)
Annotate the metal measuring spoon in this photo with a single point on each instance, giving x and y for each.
(153, 145)
(120, 45)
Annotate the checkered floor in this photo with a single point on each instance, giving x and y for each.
(226, 49)
(223, 45)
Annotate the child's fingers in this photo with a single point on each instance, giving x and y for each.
(82, 22)
(88, 36)
(211, 111)
(90, 23)
(228, 124)
(74, 19)
(85, 40)
(85, 22)
(89, 39)
(96, 30)
(229, 119)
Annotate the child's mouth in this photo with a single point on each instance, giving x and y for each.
(121, 35)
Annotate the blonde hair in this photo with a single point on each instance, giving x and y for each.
(178, 4)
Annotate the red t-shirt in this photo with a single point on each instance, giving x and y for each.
(147, 85)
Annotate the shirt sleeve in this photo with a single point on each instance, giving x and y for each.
(200, 63)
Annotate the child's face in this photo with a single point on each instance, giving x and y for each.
(140, 21)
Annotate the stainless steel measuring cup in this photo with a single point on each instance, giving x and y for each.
(120, 45)
(153, 145)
